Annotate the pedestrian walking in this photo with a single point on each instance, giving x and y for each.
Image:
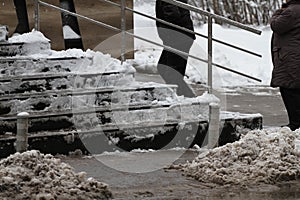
(285, 45)
(172, 66)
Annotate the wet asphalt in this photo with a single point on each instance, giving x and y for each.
(145, 176)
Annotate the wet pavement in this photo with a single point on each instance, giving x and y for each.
(171, 184)
(143, 175)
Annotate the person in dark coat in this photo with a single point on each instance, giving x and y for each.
(285, 44)
(172, 66)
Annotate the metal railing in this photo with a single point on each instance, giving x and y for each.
(123, 32)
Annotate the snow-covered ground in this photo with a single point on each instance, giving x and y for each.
(147, 54)
(277, 149)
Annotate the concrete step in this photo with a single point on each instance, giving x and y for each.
(87, 117)
(56, 100)
(27, 65)
(46, 82)
(111, 138)
(126, 137)
(22, 48)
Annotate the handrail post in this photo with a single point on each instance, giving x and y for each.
(214, 125)
(22, 132)
(36, 15)
(210, 54)
(123, 30)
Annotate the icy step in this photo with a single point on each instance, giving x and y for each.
(67, 99)
(22, 48)
(89, 117)
(27, 65)
(146, 135)
(46, 82)
(108, 138)
(160, 88)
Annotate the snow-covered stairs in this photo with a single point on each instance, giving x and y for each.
(74, 100)
(89, 101)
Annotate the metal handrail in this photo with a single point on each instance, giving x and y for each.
(218, 17)
(211, 16)
(180, 4)
(182, 28)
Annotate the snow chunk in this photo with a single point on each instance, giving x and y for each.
(261, 156)
(32, 175)
(32, 37)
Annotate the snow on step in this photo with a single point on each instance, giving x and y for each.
(62, 99)
(28, 43)
(48, 82)
(89, 117)
(26, 65)
(76, 90)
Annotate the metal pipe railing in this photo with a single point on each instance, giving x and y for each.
(210, 55)
(214, 16)
(37, 15)
(123, 30)
(182, 28)
(210, 39)
(180, 4)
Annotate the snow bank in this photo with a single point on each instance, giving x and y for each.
(32, 175)
(261, 156)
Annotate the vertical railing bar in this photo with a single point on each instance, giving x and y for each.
(21, 143)
(123, 30)
(36, 15)
(210, 54)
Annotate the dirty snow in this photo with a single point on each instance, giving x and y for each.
(260, 156)
(32, 175)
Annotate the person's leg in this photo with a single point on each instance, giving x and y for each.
(291, 100)
(21, 11)
(171, 67)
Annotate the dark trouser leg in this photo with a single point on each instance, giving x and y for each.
(291, 99)
(172, 67)
(21, 11)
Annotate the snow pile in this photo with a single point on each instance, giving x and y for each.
(40, 49)
(99, 62)
(261, 156)
(32, 175)
(31, 37)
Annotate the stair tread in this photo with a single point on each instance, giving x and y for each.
(38, 76)
(89, 110)
(78, 92)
